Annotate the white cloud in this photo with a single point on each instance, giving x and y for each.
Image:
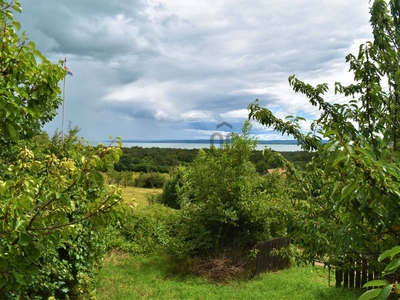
(181, 64)
(236, 114)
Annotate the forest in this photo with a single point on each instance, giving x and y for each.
(138, 159)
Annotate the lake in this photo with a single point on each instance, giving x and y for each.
(193, 145)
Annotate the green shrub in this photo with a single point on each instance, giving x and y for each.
(151, 180)
(144, 229)
(169, 196)
(153, 198)
(224, 205)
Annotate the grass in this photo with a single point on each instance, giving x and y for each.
(139, 194)
(128, 277)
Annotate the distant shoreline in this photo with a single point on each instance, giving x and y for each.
(206, 141)
(277, 145)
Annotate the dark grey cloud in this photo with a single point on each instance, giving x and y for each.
(180, 67)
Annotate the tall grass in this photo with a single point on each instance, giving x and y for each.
(127, 277)
(138, 194)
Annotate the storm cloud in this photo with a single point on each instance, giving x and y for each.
(176, 69)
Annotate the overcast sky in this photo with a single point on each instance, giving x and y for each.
(175, 69)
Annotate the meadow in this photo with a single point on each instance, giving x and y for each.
(127, 276)
(138, 194)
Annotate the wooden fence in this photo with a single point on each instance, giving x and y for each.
(266, 262)
(356, 275)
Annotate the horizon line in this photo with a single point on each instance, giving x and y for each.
(199, 141)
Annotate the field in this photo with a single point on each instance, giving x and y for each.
(128, 277)
(139, 194)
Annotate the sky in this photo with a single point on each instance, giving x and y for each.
(176, 69)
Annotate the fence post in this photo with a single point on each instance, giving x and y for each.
(359, 267)
(351, 279)
(339, 277)
(265, 261)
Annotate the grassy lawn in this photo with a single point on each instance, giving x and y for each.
(139, 194)
(127, 277)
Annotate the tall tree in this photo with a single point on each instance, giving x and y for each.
(29, 91)
(52, 195)
(353, 182)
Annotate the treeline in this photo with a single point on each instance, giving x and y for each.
(138, 159)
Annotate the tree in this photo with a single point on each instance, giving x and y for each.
(353, 182)
(224, 204)
(29, 92)
(53, 198)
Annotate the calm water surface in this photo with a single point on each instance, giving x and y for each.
(276, 147)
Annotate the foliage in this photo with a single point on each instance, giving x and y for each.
(52, 193)
(223, 204)
(352, 184)
(150, 180)
(153, 197)
(169, 196)
(51, 209)
(143, 230)
(382, 289)
(29, 92)
(138, 159)
(264, 162)
(163, 160)
(124, 177)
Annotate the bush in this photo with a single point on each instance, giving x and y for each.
(223, 204)
(144, 229)
(169, 196)
(151, 180)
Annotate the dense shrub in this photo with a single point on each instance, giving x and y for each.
(169, 196)
(151, 180)
(144, 229)
(223, 204)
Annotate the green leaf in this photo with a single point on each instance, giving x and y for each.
(370, 294)
(18, 224)
(98, 178)
(392, 267)
(21, 279)
(32, 270)
(2, 282)
(32, 45)
(384, 294)
(24, 239)
(397, 76)
(12, 132)
(366, 152)
(373, 283)
(392, 252)
(16, 24)
(348, 189)
(338, 159)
